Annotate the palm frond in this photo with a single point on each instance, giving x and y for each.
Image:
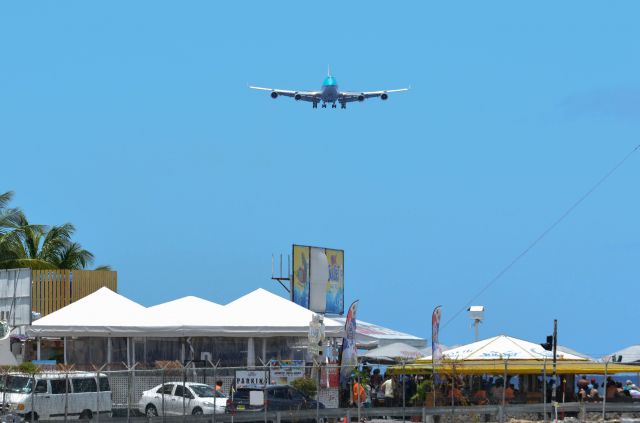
(73, 256)
(104, 267)
(5, 198)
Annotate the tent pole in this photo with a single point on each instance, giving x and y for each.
(64, 348)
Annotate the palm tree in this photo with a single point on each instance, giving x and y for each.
(23, 244)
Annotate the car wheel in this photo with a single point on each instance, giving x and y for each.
(197, 411)
(151, 411)
(86, 415)
(30, 417)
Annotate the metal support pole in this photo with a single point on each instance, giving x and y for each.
(66, 394)
(404, 392)
(544, 387)
(184, 391)
(359, 397)
(604, 397)
(555, 347)
(163, 393)
(318, 391)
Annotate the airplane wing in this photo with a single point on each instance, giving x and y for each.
(313, 96)
(348, 96)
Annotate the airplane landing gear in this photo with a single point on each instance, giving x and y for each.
(324, 105)
(333, 106)
(343, 105)
(315, 105)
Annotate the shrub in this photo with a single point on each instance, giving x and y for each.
(305, 385)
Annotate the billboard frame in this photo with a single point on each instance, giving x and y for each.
(293, 276)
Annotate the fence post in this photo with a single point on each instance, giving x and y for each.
(184, 391)
(315, 363)
(544, 388)
(33, 395)
(129, 382)
(66, 394)
(404, 392)
(98, 391)
(164, 381)
(604, 397)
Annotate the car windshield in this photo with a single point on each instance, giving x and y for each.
(17, 384)
(206, 391)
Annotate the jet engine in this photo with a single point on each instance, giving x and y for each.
(361, 97)
(297, 97)
(384, 96)
(274, 94)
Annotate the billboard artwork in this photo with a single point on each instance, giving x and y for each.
(318, 279)
(335, 285)
(301, 276)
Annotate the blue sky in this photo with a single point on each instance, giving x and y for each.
(133, 121)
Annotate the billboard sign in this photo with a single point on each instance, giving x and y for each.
(284, 372)
(318, 279)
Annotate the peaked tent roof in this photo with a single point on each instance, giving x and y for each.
(260, 309)
(630, 354)
(188, 310)
(502, 347)
(396, 352)
(369, 335)
(99, 314)
(105, 313)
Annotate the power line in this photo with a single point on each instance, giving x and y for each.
(543, 234)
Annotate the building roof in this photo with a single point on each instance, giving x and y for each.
(370, 336)
(500, 348)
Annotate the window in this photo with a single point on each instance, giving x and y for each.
(165, 389)
(41, 387)
(85, 384)
(104, 384)
(58, 386)
(296, 395)
(280, 393)
(180, 392)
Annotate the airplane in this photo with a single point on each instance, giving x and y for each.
(329, 93)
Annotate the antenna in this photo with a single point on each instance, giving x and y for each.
(328, 70)
(281, 278)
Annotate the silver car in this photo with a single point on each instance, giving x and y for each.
(176, 399)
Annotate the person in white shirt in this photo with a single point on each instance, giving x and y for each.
(388, 388)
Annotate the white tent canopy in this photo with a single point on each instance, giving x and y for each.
(503, 347)
(369, 335)
(396, 352)
(102, 313)
(262, 309)
(105, 313)
(630, 354)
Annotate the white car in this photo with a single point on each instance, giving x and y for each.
(176, 398)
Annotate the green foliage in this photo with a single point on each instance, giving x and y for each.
(24, 244)
(305, 385)
(28, 368)
(422, 389)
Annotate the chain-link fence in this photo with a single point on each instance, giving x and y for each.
(293, 391)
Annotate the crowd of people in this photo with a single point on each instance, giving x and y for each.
(376, 390)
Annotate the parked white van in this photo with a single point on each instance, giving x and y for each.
(78, 394)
